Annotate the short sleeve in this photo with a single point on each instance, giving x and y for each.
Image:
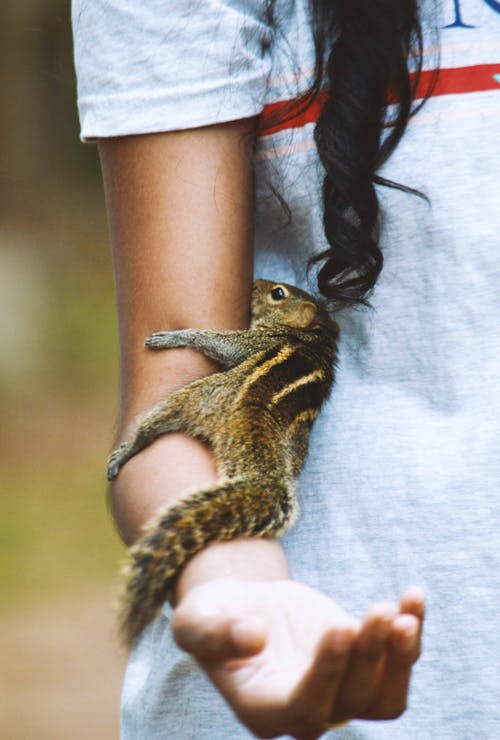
(158, 65)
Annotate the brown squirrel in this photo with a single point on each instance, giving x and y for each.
(255, 415)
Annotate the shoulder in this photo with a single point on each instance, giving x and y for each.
(144, 67)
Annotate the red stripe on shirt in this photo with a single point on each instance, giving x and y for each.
(457, 81)
(460, 80)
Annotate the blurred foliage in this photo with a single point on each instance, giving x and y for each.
(82, 335)
(53, 534)
(42, 163)
(58, 368)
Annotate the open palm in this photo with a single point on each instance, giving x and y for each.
(289, 660)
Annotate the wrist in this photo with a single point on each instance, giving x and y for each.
(254, 558)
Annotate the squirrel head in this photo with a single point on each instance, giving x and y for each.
(281, 304)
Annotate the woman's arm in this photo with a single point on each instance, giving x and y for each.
(180, 209)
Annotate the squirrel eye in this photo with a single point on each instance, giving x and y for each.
(278, 294)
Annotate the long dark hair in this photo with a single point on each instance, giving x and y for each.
(369, 52)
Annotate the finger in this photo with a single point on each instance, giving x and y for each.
(404, 638)
(361, 683)
(402, 652)
(215, 637)
(315, 696)
(413, 602)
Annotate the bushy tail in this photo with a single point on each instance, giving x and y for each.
(228, 510)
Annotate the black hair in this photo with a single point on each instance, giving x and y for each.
(369, 53)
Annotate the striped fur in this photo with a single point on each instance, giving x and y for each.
(255, 415)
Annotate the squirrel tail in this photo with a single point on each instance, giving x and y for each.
(230, 509)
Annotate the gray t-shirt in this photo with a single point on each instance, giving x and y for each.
(402, 481)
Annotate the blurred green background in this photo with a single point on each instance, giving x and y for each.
(60, 671)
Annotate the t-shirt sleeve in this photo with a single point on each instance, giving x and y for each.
(159, 65)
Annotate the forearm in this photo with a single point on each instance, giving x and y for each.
(180, 210)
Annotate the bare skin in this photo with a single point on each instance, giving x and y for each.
(287, 658)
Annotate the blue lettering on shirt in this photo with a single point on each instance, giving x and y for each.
(459, 23)
(494, 5)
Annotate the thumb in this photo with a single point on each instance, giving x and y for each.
(214, 636)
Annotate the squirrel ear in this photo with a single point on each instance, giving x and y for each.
(303, 316)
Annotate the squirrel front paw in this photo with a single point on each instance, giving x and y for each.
(157, 340)
(170, 339)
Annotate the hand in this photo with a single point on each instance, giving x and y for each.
(289, 660)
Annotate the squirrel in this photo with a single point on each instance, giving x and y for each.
(255, 415)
